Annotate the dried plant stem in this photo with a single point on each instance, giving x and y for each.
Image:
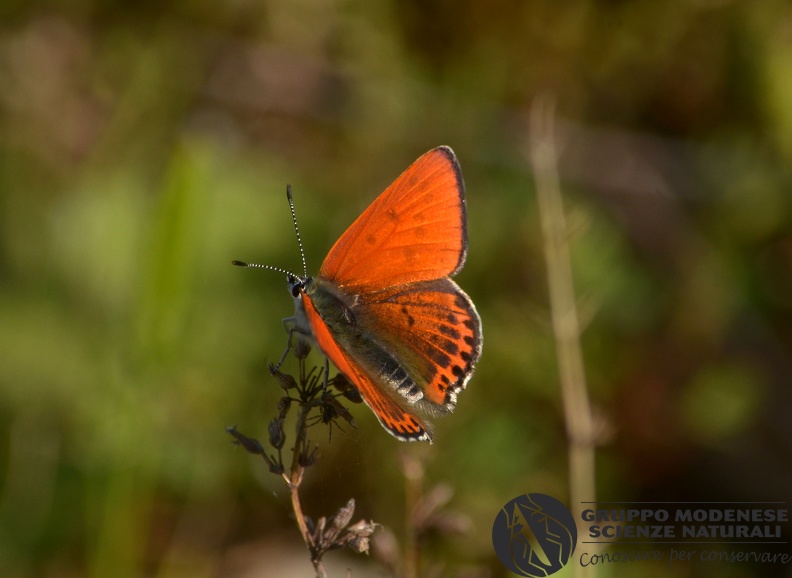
(294, 479)
(565, 322)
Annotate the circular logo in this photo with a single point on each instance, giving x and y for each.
(534, 535)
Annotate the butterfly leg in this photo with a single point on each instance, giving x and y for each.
(284, 354)
(291, 326)
(326, 375)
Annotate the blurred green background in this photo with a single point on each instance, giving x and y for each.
(144, 145)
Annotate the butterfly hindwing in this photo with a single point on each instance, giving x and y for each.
(433, 331)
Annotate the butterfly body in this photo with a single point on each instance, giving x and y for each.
(383, 308)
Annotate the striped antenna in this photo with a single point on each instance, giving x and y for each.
(296, 229)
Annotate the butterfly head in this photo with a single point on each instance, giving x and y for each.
(296, 284)
(299, 287)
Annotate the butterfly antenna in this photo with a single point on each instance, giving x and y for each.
(257, 266)
(296, 229)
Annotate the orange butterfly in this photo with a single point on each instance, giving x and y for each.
(383, 308)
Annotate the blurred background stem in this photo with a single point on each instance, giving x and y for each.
(563, 307)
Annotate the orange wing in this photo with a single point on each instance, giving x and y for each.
(433, 329)
(414, 231)
(400, 423)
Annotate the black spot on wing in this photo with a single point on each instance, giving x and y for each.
(449, 331)
(440, 357)
(410, 318)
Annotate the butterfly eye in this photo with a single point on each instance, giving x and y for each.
(295, 285)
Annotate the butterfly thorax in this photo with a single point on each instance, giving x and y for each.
(336, 312)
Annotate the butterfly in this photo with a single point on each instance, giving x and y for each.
(383, 307)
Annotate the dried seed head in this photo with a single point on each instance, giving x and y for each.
(307, 459)
(277, 437)
(357, 536)
(251, 445)
(344, 514)
(284, 404)
(341, 384)
(285, 380)
(353, 395)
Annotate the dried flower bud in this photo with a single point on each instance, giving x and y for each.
(306, 459)
(344, 514)
(275, 466)
(251, 445)
(359, 544)
(284, 404)
(341, 384)
(357, 536)
(285, 380)
(277, 437)
(353, 395)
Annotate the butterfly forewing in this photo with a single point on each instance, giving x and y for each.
(414, 231)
